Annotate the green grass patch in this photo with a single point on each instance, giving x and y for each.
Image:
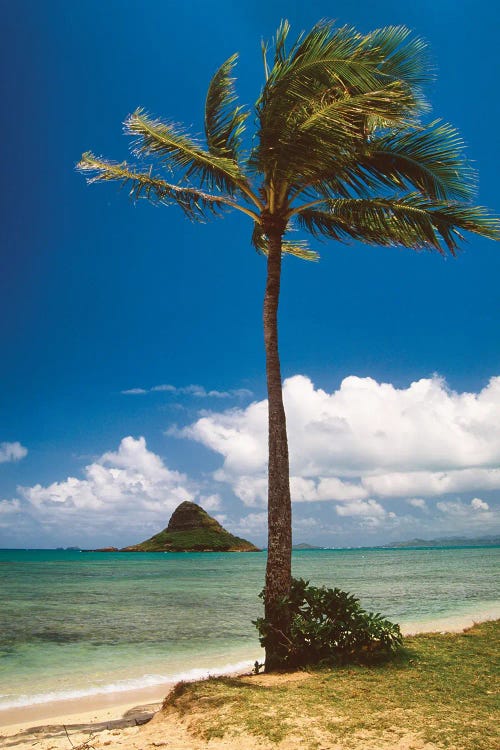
(442, 689)
(195, 540)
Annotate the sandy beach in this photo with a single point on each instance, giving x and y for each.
(136, 725)
(137, 721)
(129, 726)
(98, 721)
(147, 727)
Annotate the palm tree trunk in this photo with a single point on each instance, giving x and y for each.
(279, 554)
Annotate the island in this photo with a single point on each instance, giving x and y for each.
(447, 541)
(190, 529)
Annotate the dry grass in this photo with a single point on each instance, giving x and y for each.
(442, 692)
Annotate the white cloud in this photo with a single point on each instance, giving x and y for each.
(474, 513)
(9, 506)
(239, 435)
(364, 439)
(431, 483)
(251, 525)
(12, 452)
(210, 502)
(361, 454)
(417, 502)
(365, 508)
(127, 491)
(251, 490)
(327, 488)
(478, 504)
(198, 391)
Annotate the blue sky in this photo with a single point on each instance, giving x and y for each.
(99, 296)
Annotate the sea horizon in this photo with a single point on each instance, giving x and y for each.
(296, 548)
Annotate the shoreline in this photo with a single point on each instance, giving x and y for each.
(110, 709)
(105, 706)
(119, 709)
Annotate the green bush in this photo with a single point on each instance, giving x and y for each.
(328, 626)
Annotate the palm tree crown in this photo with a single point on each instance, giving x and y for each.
(340, 150)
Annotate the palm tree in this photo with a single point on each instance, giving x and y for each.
(339, 151)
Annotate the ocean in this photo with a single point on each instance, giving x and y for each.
(80, 624)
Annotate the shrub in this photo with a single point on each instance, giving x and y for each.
(328, 626)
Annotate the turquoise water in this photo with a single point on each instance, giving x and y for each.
(76, 623)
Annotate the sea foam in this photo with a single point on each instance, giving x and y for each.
(123, 686)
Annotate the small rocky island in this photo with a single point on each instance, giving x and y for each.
(190, 529)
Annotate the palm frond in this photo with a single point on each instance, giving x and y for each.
(170, 144)
(195, 203)
(391, 104)
(224, 124)
(347, 60)
(325, 55)
(401, 56)
(300, 248)
(429, 159)
(411, 221)
(280, 41)
(334, 83)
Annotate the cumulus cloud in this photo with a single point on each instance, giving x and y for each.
(128, 491)
(478, 504)
(326, 488)
(400, 484)
(459, 508)
(417, 502)
(9, 506)
(210, 502)
(370, 512)
(361, 508)
(12, 452)
(198, 391)
(363, 440)
(251, 525)
(420, 461)
(132, 477)
(474, 517)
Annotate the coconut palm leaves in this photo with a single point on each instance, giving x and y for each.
(173, 147)
(299, 248)
(195, 203)
(329, 89)
(338, 119)
(411, 221)
(224, 123)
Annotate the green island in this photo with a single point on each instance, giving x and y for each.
(190, 529)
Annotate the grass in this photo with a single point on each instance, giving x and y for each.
(194, 540)
(442, 690)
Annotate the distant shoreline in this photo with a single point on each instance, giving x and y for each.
(386, 547)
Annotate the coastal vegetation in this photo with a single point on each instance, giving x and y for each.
(440, 692)
(340, 151)
(328, 626)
